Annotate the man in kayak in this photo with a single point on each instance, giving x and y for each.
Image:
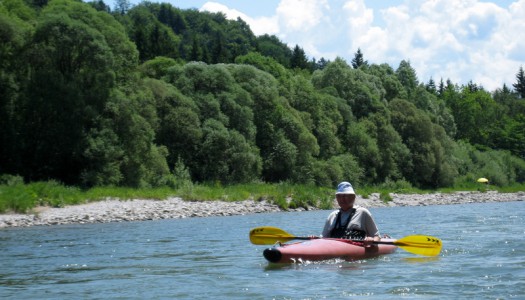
(350, 222)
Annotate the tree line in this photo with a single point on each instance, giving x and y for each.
(153, 95)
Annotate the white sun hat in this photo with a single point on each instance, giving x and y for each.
(345, 188)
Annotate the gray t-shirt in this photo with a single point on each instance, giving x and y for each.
(362, 220)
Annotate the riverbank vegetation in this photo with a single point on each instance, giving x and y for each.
(17, 197)
(149, 100)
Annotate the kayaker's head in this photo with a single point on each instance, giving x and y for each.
(345, 195)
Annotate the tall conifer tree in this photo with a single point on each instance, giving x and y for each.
(519, 86)
(358, 60)
(299, 58)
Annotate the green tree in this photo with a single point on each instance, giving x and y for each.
(217, 38)
(441, 88)
(237, 106)
(394, 154)
(329, 173)
(436, 109)
(240, 39)
(287, 147)
(519, 86)
(408, 77)
(390, 82)
(431, 86)
(321, 64)
(362, 92)
(179, 127)
(364, 148)
(151, 36)
(71, 77)
(103, 154)
(13, 38)
(122, 6)
(472, 110)
(18, 11)
(318, 112)
(226, 156)
(220, 53)
(66, 72)
(298, 59)
(264, 63)
(271, 66)
(280, 161)
(511, 136)
(157, 67)
(358, 60)
(220, 98)
(335, 76)
(508, 102)
(196, 51)
(100, 6)
(131, 115)
(429, 148)
(124, 52)
(271, 46)
(170, 16)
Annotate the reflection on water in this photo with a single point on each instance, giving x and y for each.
(421, 259)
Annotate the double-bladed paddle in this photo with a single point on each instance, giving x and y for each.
(417, 244)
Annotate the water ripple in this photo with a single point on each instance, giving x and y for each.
(203, 258)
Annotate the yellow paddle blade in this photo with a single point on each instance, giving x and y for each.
(420, 244)
(268, 235)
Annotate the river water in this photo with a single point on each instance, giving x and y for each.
(483, 257)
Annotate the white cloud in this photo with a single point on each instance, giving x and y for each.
(450, 39)
(259, 26)
(264, 25)
(311, 24)
(514, 29)
(300, 15)
(229, 12)
(457, 40)
(359, 16)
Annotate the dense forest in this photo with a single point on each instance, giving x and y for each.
(151, 95)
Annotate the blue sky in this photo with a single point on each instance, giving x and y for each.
(461, 40)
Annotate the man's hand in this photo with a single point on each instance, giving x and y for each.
(369, 241)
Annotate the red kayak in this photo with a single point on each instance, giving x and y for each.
(324, 249)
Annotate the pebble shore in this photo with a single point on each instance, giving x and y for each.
(142, 210)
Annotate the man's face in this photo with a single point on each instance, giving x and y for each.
(345, 201)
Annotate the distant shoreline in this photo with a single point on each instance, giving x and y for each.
(174, 208)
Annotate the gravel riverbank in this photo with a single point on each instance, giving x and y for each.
(140, 210)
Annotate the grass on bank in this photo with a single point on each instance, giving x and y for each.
(22, 198)
(16, 196)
